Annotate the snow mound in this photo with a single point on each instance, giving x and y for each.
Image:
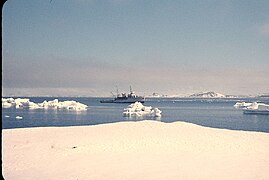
(241, 105)
(208, 95)
(138, 109)
(54, 104)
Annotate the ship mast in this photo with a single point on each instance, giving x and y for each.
(117, 91)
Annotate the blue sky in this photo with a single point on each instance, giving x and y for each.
(87, 47)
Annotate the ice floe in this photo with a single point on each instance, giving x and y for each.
(138, 109)
(242, 105)
(257, 108)
(54, 104)
(18, 117)
(253, 108)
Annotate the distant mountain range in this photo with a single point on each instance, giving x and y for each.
(264, 96)
(210, 94)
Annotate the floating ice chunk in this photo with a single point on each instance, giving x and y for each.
(242, 104)
(253, 105)
(257, 108)
(49, 104)
(33, 105)
(157, 112)
(138, 109)
(7, 116)
(72, 105)
(54, 104)
(263, 106)
(18, 117)
(7, 102)
(20, 102)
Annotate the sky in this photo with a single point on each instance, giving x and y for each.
(90, 47)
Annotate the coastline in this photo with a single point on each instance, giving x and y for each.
(134, 150)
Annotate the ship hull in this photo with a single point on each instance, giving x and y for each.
(107, 101)
(248, 111)
(124, 98)
(127, 100)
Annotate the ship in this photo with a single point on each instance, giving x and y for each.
(125, 98)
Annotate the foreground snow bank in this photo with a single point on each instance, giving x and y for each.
(138, 109)
(54, 104)
(134, 150)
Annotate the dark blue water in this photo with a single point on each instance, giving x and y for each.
(218, 113)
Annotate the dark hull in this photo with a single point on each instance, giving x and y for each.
(107, 101)
(256, 112)
(125, 100)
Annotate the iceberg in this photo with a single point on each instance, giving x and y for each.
(7, 102)
(138, 109)
(6, 105)
(18, 117)
(253, 108)
(257, 108)
(242, 105)
(71, 105)
(54, 104)
(22, 102)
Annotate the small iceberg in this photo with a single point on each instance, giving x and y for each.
(18, 117)
(138, 109)
(69, 105)
(241, 105)
(257, 108)
(7, 102)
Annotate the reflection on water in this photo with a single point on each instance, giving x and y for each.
(140, 118)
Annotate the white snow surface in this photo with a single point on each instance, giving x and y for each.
(134, 150)
(138, 109)
(54, 104)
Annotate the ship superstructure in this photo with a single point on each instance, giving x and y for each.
(125, 98)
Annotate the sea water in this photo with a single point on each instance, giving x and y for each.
(217, 113)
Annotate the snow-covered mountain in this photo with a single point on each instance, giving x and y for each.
(210, 94)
